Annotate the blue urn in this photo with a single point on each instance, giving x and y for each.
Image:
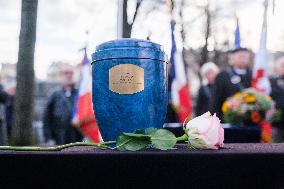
(129, 86)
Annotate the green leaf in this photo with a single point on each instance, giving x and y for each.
(132, 142)
(150, 131)
(138, 131)
(122, 140)
(163, 139)
(138, 144)
(136, 135)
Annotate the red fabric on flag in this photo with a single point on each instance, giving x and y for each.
(266, 132)
(185, 108)
(84, 107)
(86, 118)
(255, 80)
(90, 129)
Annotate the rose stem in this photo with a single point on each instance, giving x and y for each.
(56, 148)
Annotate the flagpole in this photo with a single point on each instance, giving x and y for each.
(119, 21)
(273, 6)
(86, 41)
(264, 25)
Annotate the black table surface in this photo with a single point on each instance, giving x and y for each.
(234, 166)
(230, 148)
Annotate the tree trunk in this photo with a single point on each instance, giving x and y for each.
(23, 111)
(126, 28)
(204, 51)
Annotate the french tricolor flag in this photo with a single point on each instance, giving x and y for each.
(180, 96)
(260, 79)
(83, 114)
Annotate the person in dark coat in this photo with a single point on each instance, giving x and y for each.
(204, 99)
(277, 94)
(233, 79)
(9, 108)
(57, 120)
(3, 126)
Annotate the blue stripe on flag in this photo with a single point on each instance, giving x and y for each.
(173, 50)
(237, 42)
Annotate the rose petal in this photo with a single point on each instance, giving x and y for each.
(202, 123)
(213, 133)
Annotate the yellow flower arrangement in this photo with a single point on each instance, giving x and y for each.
(225, 107)
(237, 95)
(250, 99)
(249, 106)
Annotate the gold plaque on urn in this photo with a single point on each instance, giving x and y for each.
(126, 79)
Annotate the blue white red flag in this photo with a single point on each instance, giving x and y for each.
(83, 115)
(180, 95)
(260, 79)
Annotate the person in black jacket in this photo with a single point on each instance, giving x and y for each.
(277, 94)
(3, 126)
(57, 120)
(9, 108)
(204, 99)
(233, 79)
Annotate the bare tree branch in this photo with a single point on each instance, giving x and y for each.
(138, 4)
(127, 28)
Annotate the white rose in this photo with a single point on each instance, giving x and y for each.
(205, 132)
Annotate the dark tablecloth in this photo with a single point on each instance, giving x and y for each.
(234, 166)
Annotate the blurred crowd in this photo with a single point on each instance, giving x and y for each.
(216, 86)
